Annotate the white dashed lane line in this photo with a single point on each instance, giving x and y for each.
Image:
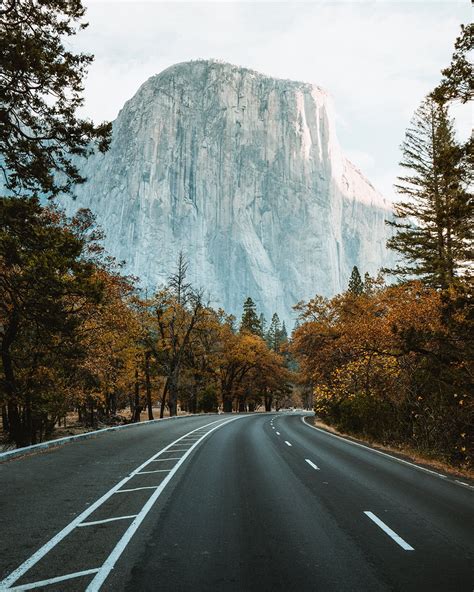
(288, 443)
(277, 433)
(392, 534)
(311, 464)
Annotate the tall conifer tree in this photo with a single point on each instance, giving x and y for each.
(356, 286)
(274, 335)
(435, 222)
(250, 321)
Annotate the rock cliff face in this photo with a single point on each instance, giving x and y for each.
(244, 174)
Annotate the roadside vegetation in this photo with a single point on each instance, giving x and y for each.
(395, 362)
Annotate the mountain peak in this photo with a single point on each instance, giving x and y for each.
(244, 174)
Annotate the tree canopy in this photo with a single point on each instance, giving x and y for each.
(436, 220)
(458, 78)
(40, 92)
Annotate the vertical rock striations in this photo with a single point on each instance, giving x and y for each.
(244, 174)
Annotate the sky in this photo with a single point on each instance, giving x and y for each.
(376, 58)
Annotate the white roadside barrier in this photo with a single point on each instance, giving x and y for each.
(18, 452)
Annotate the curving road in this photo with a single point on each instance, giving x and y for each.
(231, 503)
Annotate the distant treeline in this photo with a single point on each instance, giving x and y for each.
(77, 336)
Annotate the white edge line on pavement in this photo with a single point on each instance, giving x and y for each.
(42, 551)
(406, 462)
(111, 560)
(288, 443)
(106, 520)
(392, 534)
(311, 464)
(464, 484)
(77, 574)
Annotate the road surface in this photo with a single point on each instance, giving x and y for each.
(231, 503)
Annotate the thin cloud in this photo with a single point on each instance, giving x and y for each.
(377, 59)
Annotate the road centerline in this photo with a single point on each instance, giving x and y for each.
(311, 464)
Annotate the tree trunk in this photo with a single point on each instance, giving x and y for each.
(15, 429)
(227, 405)
(91, 412)
(163, 399)
(268, 402)
(137, 408)
(113, 403)
(29, 431)
(173, 393)
(5, 423)
(148, 385)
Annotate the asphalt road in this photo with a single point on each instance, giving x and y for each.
(231, 503)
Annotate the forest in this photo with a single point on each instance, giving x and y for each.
(80, 337)
(391, 358)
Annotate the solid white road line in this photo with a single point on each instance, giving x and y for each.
(464, 484)
(106, 520)
(374, 450)
(287, 443)
(311, 464)
(110, 562)
(393, 535)
(33, 585)
(46, 548)
(277, 433)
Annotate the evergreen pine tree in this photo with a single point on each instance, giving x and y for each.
(274, 333)
(263, 324)
(435, 224)
(40, 94)
(458, 77)
(368, 283)
(284, 333)
(356, 285)
(250, 322)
